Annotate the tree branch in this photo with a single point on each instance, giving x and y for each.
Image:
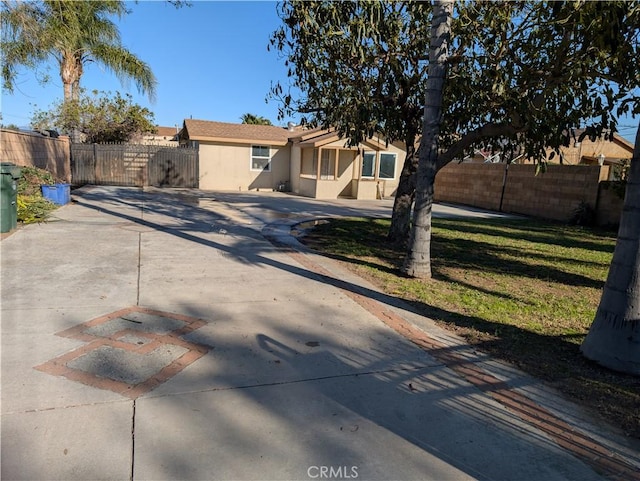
(467, 140)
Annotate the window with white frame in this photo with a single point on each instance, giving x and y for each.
(386, 167)
(369, 164)
(261, 158)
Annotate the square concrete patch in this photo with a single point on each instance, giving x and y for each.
(130, 351)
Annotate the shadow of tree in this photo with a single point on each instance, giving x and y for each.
(185, 220)
(527, 229)
(470, 254)
(274, 398)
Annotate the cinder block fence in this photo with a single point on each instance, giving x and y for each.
(554, 194)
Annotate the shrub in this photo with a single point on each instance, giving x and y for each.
(32, 207)
(583, 215)
(31, 178)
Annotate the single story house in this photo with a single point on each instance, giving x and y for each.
(310, 162)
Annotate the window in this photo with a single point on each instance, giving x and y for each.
(260, 158)
(387, 166)
(369, 164)
(327, 164)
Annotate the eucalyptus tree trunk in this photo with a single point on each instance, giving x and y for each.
(399, 229)
(418, 260)
(614, 338)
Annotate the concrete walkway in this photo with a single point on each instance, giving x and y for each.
(185, 335)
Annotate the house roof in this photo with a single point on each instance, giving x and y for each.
(616, 138)
(165, 131)
(207, 130)
(211, 131)
(303, 134)
(318, 138)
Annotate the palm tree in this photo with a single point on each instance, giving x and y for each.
(74, 33)
(255, 119)
(614, 336)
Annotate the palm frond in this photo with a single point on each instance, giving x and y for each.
(126, 66)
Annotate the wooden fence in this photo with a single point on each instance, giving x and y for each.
(134, 165)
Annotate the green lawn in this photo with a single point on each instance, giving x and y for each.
(524, 290)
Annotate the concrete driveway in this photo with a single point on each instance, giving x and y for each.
(162, 334)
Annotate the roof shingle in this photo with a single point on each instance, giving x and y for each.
(207, 130)
(165, 131)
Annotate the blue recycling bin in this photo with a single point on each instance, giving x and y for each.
(57, 193)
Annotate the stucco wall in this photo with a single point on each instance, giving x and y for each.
(228, 167)
(306, 187)
(349, 163)
(387, 186)
(28, 149)
(294, 168)
(365, 189)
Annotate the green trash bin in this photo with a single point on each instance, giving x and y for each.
(9, 175)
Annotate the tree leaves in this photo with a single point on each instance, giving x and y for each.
(527, 71)
(72, 32)
(100, 116)
(352, 63)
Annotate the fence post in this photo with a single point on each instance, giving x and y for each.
(95, 163)
(504, 185)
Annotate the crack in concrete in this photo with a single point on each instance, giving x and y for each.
(294, 381)
(133, 440)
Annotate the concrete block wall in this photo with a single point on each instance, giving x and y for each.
(478, 185)
(554, 194)
(30, 149)
(610, 202)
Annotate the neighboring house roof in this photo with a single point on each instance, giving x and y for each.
(165, 131)
(616, 138)
(206, 130)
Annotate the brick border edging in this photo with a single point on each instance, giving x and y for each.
(580, 445)
(58, 366)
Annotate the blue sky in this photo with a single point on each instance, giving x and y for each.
(210, 60)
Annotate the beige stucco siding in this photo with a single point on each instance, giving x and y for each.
(335, 176)
(294, 168)
(228, 167)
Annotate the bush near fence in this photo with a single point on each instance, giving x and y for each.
(554, 194)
